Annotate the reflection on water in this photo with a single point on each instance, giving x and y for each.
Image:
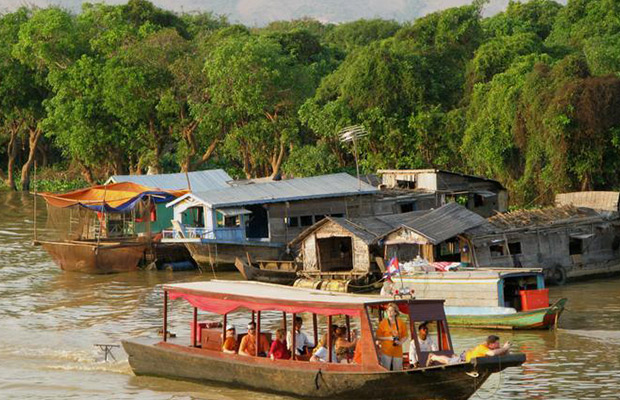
(51, 319)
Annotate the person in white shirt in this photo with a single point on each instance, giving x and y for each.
(426, 344)
(321, 354)
(301, 340)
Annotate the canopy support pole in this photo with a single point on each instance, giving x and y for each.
(195, 327)
(315, 329)
(225, 322)
(329, 338)
(165, 315)
(348, 319)
(257, 332)
(293, 342)
(284, 320)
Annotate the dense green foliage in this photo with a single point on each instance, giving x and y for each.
(530, 96)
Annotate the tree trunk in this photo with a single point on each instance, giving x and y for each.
(276, 162)
(87, 173)
(11, 152)
(34, 134)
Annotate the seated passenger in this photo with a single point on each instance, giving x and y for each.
(489, 348)
(230, 341)
(342, 346)
(301, 340)
(248, 343)
(426, 345)
(278, 349)
(320, 353)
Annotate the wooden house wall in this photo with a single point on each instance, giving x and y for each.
(548, 248)
(359, 249)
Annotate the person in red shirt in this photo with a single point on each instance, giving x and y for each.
(279, 349)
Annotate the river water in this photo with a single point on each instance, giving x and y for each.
(50, 321)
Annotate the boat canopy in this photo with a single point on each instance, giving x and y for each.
(222, 297)
(114, 197)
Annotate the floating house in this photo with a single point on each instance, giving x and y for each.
(437, 187)
(577, 238)
(348, 253)
(198, 181)
(261, 218)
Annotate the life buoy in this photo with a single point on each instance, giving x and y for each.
(558, 275)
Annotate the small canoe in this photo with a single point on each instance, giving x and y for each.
(279, 272)
(542, 318)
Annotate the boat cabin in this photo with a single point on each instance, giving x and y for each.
(273, 306)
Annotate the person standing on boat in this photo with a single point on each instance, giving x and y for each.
(301, 340)
(391, 334)
(248, 343)
(426, 344)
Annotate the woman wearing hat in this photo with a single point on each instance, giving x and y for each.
(230, 341)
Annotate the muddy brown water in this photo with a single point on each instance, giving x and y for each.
(50, 321)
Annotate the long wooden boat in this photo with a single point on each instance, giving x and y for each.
(489, 297)
(203, 361)
(280, 272)
(96, 258)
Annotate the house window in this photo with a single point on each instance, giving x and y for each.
(317, 218)
(575, 246)
(339, 215)
(514, 247)
(292, 222)
(305, 220)
(497, 250)
(405, 184)
(478, 200)
(407, 207)
(224, 221)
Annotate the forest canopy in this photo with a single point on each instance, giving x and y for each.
(529, 96)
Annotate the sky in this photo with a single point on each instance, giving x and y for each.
(261, 12)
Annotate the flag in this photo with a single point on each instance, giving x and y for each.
(393, 267)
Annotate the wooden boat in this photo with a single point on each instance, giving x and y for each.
(280, 272)
(488, 298)
(96, 258)
(203, 361)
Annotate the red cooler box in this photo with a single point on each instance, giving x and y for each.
(534, 299)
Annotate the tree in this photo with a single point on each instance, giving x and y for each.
(348, 36)
(253, 91)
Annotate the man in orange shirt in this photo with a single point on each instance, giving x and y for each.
(248, 343)
(391, 334)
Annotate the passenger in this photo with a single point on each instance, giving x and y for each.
(342, 346)
(248, 343)
(426, 344)
(302, 343)
(489, 348)
(321, 354)
(323, 340)
(391, 334)
(230, 341)
(279, 349)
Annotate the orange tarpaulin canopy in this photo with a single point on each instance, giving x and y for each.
(116, 197)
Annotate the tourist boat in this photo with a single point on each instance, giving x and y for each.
(280, 272)
(105, 228)
(488, 297)
(202, 360)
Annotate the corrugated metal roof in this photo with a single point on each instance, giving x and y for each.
(368, 229)
(335, 185)
(445, 222)
(200, 181)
